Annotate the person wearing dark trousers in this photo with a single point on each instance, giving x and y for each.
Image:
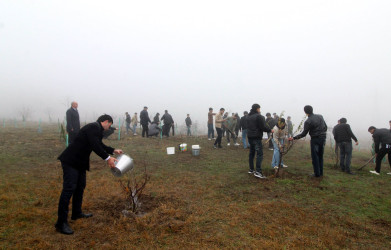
(75, 161)
(188, 124)
(127, 120)
(223, 128)
(168, 122)
(381, 136)
(211, 133)
(73, 122)
(218, 124)
(317, 128)
(243, 128)
(270, 124)
(256, 126)
(144, 121)
(343, 136)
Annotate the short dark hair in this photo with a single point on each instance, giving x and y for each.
(371, 127)
(343, 120)
(222, 109)
(245, 113)
(210, 108)
(308, 109)
(105, 117)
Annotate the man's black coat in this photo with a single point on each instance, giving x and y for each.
(73, 121)
(87, 140)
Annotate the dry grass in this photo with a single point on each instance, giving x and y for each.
(207, 201)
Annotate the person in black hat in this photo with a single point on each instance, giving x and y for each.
(381, 136)
(256, 125)
(316, 126)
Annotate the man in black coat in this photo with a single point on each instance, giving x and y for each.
(188, 124)
(73, 122)
(316, 126)
(144, 120)
(381, 136)
(343, 136)
(75, 161)
(256, 125)
(168, 122)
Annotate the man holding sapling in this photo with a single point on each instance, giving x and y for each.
(343, 136)
(381, 136)
(316, 126)
(75, 161)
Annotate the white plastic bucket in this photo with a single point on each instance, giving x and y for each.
(123, 165)
(195, 150)
(171, 150)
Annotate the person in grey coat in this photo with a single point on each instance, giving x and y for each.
(73, 122)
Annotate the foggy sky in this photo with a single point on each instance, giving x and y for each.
(187, 56)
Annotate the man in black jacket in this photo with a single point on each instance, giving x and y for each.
(255, 128)
(243, 128)
(317, 128)
(270, 124)
(168, 121)
(343, 136)
(381, 136)
(73, 122)
(188, 124)
(144, 120)
(75, 161)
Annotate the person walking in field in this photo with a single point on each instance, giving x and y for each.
(75, 161)
(317, 128)
(343, 136)
(278, 137)
(256, 126)
(218, 124)
(211, 133)
(243, 128)
(188, 124)
(127, 120)
(144, 121)
(134, 122)
(73, 122)
(381, 136)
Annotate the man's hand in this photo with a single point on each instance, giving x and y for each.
(111, 162)
(272, 131)
(290, 139)
(118, 151)
(356, 143)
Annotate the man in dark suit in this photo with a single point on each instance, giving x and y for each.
(75, 160)
(144, 121)
(73, 122)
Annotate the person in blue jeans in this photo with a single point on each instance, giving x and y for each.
(317, 128)
(243, 128)
(280, 132)
(255, 127)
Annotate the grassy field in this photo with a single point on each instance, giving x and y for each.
(190, 202)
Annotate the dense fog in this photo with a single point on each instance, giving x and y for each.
(186, 56)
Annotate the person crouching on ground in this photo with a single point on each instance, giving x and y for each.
(381, 136)
(75, 161)
(279, 134)
(255, 127)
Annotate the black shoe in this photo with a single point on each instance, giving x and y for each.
(80, 216)
(315, 176)
(64, 228)
(350, 172)
(220, 146)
